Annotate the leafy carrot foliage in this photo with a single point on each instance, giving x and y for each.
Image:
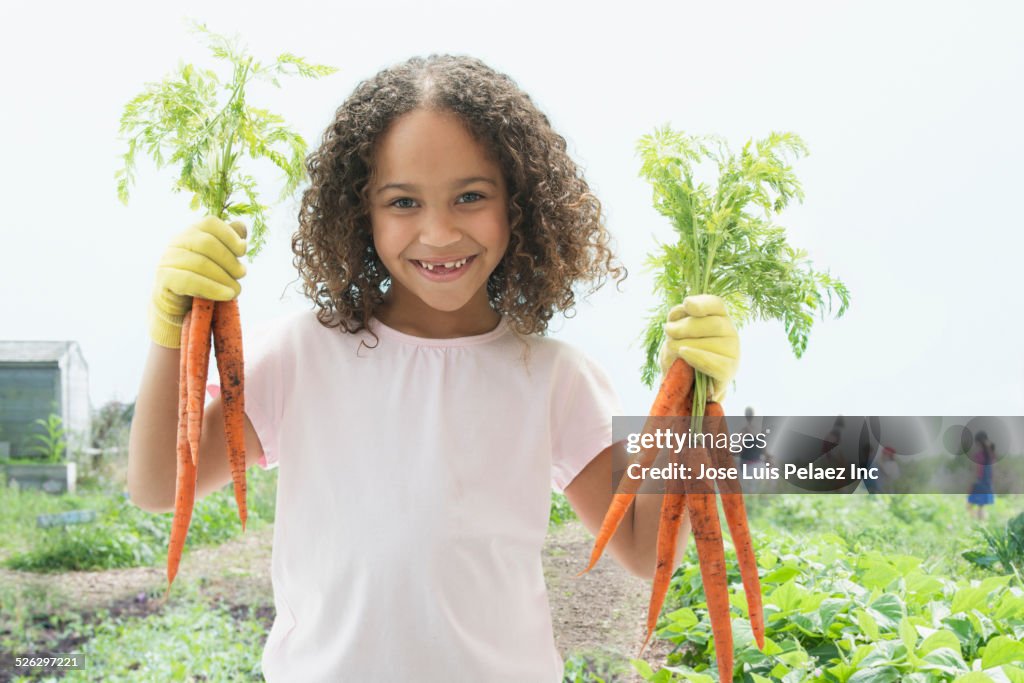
(728, 244)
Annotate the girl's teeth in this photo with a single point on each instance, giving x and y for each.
(450, 265)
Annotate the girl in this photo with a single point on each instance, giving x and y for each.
(418, 416)
(981, 492)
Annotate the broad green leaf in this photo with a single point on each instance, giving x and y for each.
(879, 575)
(1009, 606)
(875, 674)
(809, 623)
(787, 597)
(767, 560)
(905, 564)
(939, 639)
(1013, 674)
(1001, 650)
(643, 668)
(794, 658)
(830, 608)
(993, 582)
(922, 585)
(945, 659)
(974, 677)
(884, 653)
(867, 624)
(887, 610)
(908, 634)
(683, 619)
(981, 623)
(780, 575)
(742, 634)
(920, 677)
(771, 647)
(982, 559)
(968, 598)
(842, 672)
(962, 627)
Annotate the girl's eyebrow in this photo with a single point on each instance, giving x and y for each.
(409, 187)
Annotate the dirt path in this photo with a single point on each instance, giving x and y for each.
(603, 610)
(213, 567)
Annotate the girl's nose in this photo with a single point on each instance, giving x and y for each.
(439, 229)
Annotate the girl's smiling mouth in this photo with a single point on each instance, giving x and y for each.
(443, 270)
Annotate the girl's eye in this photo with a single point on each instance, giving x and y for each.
(400, 202)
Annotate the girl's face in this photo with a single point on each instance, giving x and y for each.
(439, 211)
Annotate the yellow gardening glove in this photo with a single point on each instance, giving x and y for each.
(700, 332)
(202, 261)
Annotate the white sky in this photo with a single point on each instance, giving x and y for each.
(912, 112)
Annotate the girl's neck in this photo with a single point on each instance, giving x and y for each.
(406, 313)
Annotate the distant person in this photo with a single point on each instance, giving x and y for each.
(984, 456)
(889, 471)
(752, 452)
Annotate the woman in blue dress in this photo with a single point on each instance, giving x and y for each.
(984, 456)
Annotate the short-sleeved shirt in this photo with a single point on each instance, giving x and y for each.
(414, 482)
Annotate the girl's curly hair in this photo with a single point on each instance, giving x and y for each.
(557, 239)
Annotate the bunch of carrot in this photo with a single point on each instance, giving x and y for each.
(181, 119)
(220, 318)
(698, 501)
(728, 246)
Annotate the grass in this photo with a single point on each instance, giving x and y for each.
(123, 535)
(191, 639)
(561, 511)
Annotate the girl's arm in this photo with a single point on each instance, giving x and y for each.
(202, 261)
(634, 544)
(152, 456)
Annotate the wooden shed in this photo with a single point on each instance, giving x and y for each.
(38, 378)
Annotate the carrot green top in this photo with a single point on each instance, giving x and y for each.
(727, 242)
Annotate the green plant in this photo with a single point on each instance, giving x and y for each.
(122, 535)
(1005, 548)
(25, 610)
(595, 666)
(190, 640)
(845, 612)
(50, 445)
(728, 245)
(182, 114)
(561, 511)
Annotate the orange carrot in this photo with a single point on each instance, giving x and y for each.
(185, 487)
(197, 369)
(672, 507)
(707, 532)
(671, 400)
(227, 340)
(736, 517)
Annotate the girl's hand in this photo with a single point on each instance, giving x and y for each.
(202, 261)
(700, 332)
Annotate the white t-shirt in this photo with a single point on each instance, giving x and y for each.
(413, 495)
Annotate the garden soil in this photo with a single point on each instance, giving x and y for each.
(601, 614)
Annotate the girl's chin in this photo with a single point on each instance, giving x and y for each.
(446, 305)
